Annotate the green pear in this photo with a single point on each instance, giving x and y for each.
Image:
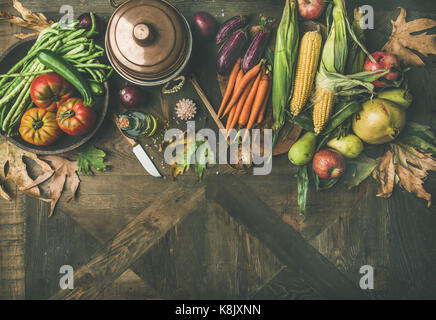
(350, 146)
(302, 151)
(401, 97)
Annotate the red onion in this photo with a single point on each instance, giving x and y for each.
(204, 24)
(85, 22)
(132, 96)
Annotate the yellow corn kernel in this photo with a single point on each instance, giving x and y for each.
(322, 108)
(308, 59)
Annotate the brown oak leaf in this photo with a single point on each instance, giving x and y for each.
(405, 166)
(403, 39)
(384, 174)
(17, 170)
(65, 171)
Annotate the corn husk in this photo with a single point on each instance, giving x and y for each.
(285, 58)
(335, 54)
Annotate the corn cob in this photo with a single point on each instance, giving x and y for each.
(323, 108)
(334, 59)
(308, 59)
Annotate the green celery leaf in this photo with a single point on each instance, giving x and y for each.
(89, 157)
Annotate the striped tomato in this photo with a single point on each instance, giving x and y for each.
(50, 90)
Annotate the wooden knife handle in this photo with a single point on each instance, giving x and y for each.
(130, 141)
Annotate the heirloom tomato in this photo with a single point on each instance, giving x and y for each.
(39, 127)
(75, 118)
(50, 90)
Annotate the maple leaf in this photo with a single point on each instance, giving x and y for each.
(17, 170)
(402, 41)
(64, 171)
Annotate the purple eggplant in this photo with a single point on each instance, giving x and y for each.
(229, 27)
(256, 49)
(231, 51)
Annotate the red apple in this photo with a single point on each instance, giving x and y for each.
(311, 9)
(328, 164)
(383, 60)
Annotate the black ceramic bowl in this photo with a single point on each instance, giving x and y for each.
(65, 143)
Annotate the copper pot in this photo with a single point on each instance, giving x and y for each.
(148, 42)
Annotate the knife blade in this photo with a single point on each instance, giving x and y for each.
(145, 160)
(139, 152)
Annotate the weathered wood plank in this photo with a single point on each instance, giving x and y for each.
(133, 241)
(283, 241)
(129, 287)
(393, 237)
(208, 256)
(12, 253)
(286, 285)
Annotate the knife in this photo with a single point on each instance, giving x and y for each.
(139, 152)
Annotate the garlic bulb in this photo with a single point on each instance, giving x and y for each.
(186, 109)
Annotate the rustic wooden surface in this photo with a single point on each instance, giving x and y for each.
(232, 235)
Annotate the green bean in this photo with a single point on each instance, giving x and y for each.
(93, 65)
(17, 80)
(31, 55)
(92, 31)
(74, 51)
(77, 41)
(99, 75)
(24, 74)
(93, 56)
(73, 35)
(9, 96)
(92, 73)
(3, 114)
(19, 103)
(99, 47)
(109, 74)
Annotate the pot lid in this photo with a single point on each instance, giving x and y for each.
(148, 39)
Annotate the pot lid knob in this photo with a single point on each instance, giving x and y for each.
(143, 34)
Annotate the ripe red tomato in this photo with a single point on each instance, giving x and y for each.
(74, 118)
(39, 127)
(50, 90)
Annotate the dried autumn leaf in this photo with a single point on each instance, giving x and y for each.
(412, 183)
(17, 170)
(384, 174)
(28, 19)
(405, 166)
(402, 40)
(65, 171)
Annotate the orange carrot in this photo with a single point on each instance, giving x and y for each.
(244, 82)
(265, 102)
(240, 104)
(230, 85)
(239, 77)
(230, 118)
(260, 97)
(238, 80)
(245, 112)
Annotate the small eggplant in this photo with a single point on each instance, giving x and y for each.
(256, 49)
(231, 51)
(229, 27)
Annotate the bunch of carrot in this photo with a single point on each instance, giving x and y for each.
(246, 97)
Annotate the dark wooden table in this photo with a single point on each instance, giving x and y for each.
(131, 236)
